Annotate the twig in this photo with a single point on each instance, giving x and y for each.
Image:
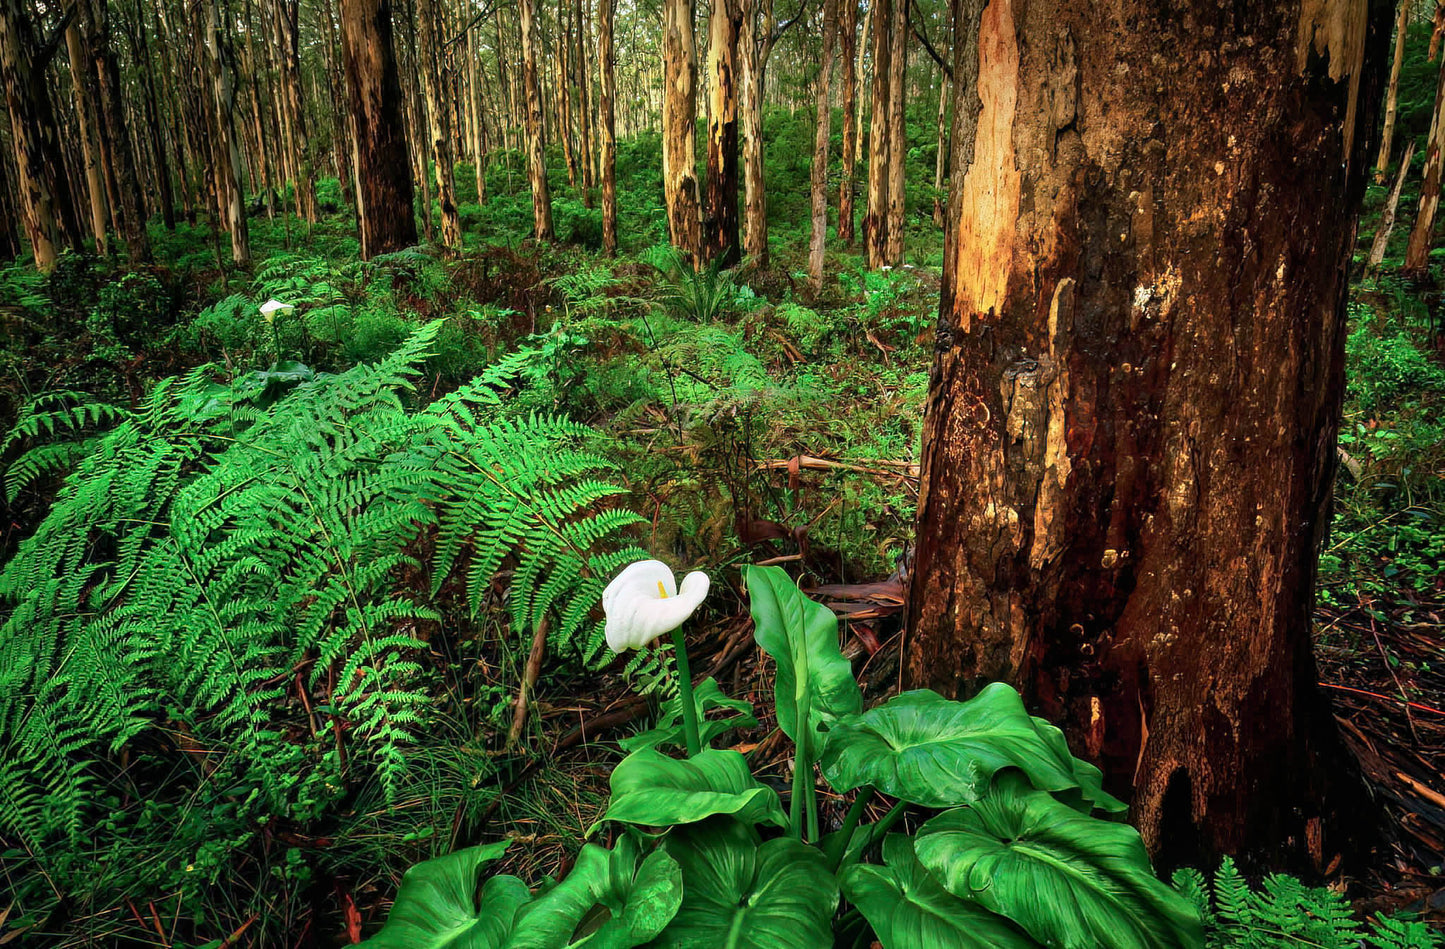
(529, 679)
(1404, 696)
(1383, 698)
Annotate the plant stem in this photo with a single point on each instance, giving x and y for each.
(839, 847)
(684, 695)
(802, 777)
(876, 832)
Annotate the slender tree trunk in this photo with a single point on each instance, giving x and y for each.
(227, 143)
(384, 191)
(536, 158)
(1130, 440)
(288, 13)
(875, 222)
(1402, 30)
(154, 109)
(1387, 219)
(848, 42)
(1422, 235)
(607, 66)
(720, 232)
(897, 134)
(679, 117)
(755, 40)
(109, 100)
(584, 102)
(45, 199)
(429, 65)
(940, 161)
(822, 135)
(80, 82)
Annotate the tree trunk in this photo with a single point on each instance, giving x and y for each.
(154, 108)
(940, 161)
(1422, 235)
(875, 222)
(131, 206)
(607, 65)
(679, 117)
(755, 43)
(382, 163)
(10, 245)
(1130, 440)
(821, 137)
(80, 82)
(848, 36)
(720, 230)
(897, 134)
(430, 66)
(584, 103)
(288, 13)
(1402, 30)
(227, 146)
(45, 199)
(1387, 219)
(536, 158)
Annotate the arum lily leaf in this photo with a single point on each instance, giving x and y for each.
(814, 682)
(607, 901)
(1070, 880)
(707, 695)
(936, 752)
(738, 894)
(908, 909)
(1090, 794)
(437, 906)
(653, 790)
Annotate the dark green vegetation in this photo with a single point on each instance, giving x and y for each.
(271, 585)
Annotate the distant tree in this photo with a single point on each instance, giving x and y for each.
(607, 66)
(383, 162)
(848, 51)
(821, 137)
(1392, 95)
(880, 138)
(1422, 235)
(679, 117)
(439, 128)
(536, 158)
(226, 145)
(1130, 440)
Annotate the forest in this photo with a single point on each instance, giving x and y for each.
(763, 474)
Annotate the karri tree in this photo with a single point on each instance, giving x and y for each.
(1130, 442)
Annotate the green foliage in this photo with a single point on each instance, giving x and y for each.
(1016, 866)
(232, 571)
(51, 433)
(1284, 913)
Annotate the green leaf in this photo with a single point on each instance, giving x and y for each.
(908, 909)
(1072, 881)
(936, 752)
(707, 695)
(738, 894)
(1090, 794)
(653, 790)
(814, 682)
(437, 908)
(607, 901)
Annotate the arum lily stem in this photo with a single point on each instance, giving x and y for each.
(802, 783)
(876, 832)
(839, 848)
(684, 695)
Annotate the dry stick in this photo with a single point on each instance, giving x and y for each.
(529, 679)
(1387, 220)
(1404, 697)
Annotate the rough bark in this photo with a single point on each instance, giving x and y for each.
(848, 51)
(45, 201)
(1130, 442)
(679, 117)
(940, 161)
(130, 209)
(607, 64)
(821, 135)
(754, 44)
(440, 134)
(10, 245)
(1422, 235)
(381, 161)
(720, 220)
(536, 159)
(1387, 219)
(897, 134)
(287, 19)
(875, 222)
(86, 118)
(1392, 95)
(227, 144)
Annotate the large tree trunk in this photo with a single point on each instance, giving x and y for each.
(848, 37)
(430, 66)
(382, 163)
(1130, 441)
(679, 117)
(1422, 235)
(536, 158)
(720, 231)
(1402, 30)
(875, 222)
(607, 65)
(821, 135)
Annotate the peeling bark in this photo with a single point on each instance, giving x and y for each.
(607, 65)
(1130, 442)
(848, 51)
(720, 224)
(821, 135)
(875, 222)
(1392, 95)
(532, 94)
(679, 117)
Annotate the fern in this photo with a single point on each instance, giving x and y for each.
(1285, 913)
(225, 575)
(72, 417)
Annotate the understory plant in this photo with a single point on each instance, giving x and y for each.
(1016, 844)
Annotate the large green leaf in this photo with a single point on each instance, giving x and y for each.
(1071, 880)
(607, 901)
(908, 909)
(437, 906)
(814, 682)
(936, 752)
(651, 789)
(738, 894)
(707, 696)
(1090, 793)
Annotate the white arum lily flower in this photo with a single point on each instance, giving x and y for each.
(271, 307)
(644, 602)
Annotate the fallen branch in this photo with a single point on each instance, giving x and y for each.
(529, 679)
